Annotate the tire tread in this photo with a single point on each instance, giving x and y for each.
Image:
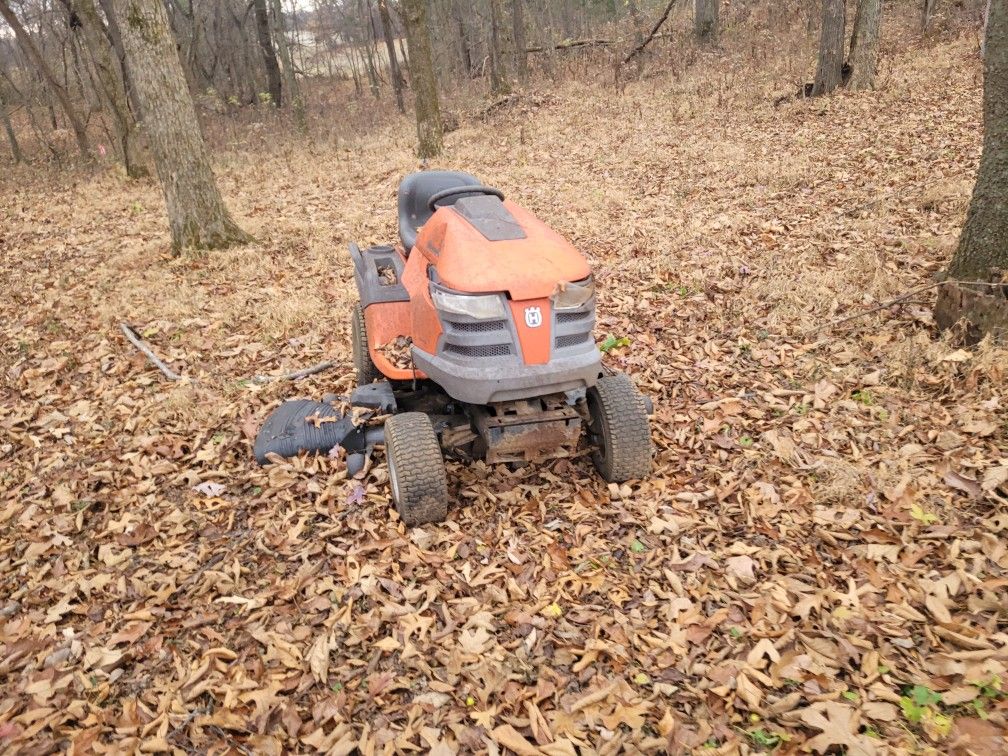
(413, 446)
(626, 430)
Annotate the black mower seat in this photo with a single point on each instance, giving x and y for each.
(414, 193)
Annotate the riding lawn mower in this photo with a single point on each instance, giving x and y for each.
(472, 337)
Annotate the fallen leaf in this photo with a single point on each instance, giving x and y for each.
(210, 488)
(509, 737)
(838, 725)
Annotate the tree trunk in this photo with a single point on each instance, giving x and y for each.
(268, 53)
(499, 83)
(982, 253)
(197, 215)
(294, 98)
(369, 44)
(351, 55)
(116, 39)
(111, 84)
(464, 48)
(32, 52)
(829, 74)
(403, 54)
(430, 130)
(15, 148)
(927, 11)
(394, 73)
(863, 59)
(705, 20)
(983, 35)
(520, 51)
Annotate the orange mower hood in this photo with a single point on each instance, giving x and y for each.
(528, 268)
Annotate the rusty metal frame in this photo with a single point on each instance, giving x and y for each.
(528, 430)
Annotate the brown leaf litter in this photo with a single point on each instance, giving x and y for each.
(824, 528)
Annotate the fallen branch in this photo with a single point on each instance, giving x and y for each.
(297, 374)
(171, 375)
(897, 300)
(654, 30)
(140, 344)
(570, 44)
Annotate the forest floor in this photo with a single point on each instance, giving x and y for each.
(819, 559)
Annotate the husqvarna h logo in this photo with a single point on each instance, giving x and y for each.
(533, 317)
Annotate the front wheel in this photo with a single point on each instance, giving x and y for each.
(416, 469)
(619, 429)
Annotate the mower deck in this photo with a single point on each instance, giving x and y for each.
(524, 430)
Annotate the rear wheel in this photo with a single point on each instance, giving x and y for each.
(416, 469)
(365, 367)
(619, 429)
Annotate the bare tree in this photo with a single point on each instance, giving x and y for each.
(927, 13)
(111, 82)
(863, 60)
(294, 98)
(116, 39)
(31, 51)
(982, 253)
(393, 62)
(430, 129)
(829, 74)
(15, 148)
(520, 46)
(499, 83)
(268, 52)
(465, 48)
(983, 35)
(197, 215)
(705, 20)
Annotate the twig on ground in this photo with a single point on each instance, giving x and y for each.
(171, 375)
(197, 712)
(897, 300)
(140, 344)
(297, 374)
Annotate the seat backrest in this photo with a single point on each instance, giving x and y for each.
(414, 192)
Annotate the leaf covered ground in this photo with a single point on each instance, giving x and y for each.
(818, 562)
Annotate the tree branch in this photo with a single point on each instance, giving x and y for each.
(140, 344)
(297, 374)
(654, 30)
(570, 44)
(897, 300)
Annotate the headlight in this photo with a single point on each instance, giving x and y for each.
(480, 307)
(570, 296)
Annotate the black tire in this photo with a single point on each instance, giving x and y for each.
(619, 429)
(365, 367)
(416, 469)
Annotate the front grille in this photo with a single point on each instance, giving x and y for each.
(478, 326)
(572, 317)
(482, 350)
(572, 339)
